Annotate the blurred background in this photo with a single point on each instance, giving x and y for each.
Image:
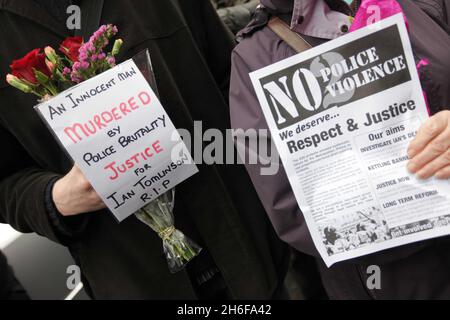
(235, 13)
(39, 265)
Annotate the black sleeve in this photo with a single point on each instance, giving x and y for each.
(219, 45)
(213, 39)
(24, 188)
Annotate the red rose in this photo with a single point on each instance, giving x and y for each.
(24, 68)
(70, 47)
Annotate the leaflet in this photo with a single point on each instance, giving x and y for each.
(342, 116)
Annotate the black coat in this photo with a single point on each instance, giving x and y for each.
(190, 52)
(6, 278)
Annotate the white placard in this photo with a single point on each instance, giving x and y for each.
(120, 136)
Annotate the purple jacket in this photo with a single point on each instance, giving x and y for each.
(416, 271)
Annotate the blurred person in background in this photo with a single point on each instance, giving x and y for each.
(236, 14)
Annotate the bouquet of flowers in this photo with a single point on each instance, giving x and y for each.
(46, 74)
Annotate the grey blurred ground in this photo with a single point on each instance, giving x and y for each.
(40, 265)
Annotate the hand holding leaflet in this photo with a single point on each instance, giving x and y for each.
(342, 116)
(430, 150)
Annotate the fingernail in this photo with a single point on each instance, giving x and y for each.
(422, 175)
(412, 167)
(411, 153)
(440, 176)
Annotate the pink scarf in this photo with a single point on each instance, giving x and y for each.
(371, 11)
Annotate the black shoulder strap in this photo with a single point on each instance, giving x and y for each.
(91, 12)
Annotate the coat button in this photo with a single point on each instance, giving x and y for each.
(300, 19)
(344, 28)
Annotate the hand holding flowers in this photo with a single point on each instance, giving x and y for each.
(46, 74)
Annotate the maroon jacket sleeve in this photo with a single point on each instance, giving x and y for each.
(274, 190)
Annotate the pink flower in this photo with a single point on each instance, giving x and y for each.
(76, 67)
(83, 55)
(66, 71)
(75, 78)
(89, 47)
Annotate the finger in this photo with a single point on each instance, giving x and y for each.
(434, 149)
(435, 166)
(99, 205)
(444, 173)
(427, 132)
(83, 183)
(76, 170)
(94, 197)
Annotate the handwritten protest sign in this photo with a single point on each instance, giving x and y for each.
(120, 136)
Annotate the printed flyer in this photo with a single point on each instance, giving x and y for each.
(342, 116)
